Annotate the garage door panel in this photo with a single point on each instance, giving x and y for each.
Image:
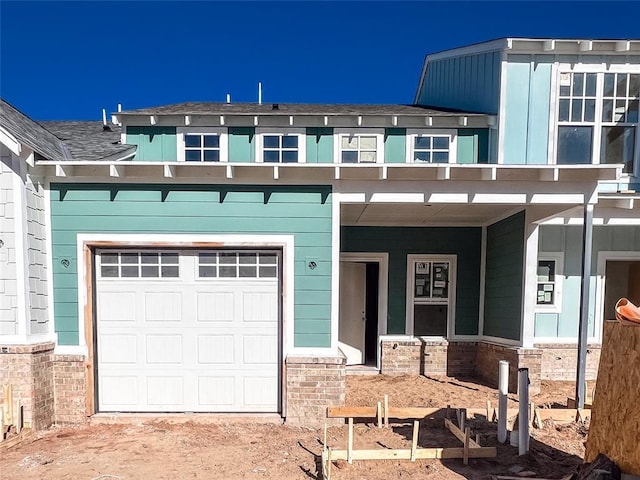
(188, 343)
(118, 348)
(119, 391)
(117, 306)
(218, 392)
(260, 392)
(216, 349)
(165, 349)
(260, 349)
(166, 391)
(259, 307)
(162, 306)
(215, 306)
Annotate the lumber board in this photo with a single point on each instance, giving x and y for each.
(563, 415)
(615, 414)
(571, 403)
(21, 437)
(412, 412)
(459, 434)
(421, 453)
(351, 412)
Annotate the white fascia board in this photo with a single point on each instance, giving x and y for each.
(9, 141)
(484, 47)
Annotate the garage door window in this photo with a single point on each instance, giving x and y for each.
(237, 265)
(139, 265)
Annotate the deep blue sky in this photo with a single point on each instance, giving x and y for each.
(68, 60)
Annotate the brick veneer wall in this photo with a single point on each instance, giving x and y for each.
(401, 357)
(413, 356)
(70, 389)
(29, 370)
(560, 361)
(313, 384)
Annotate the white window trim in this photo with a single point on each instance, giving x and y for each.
(600, 69)
(556, 306)
(338, 133)
(301, 133)
(451, 310)
(413, 133)
(221, 131)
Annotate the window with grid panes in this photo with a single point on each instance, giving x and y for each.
(280, 148)
(358, 148)
(598, 118)
(202, 147)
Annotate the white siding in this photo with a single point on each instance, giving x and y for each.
(8, 284)
(37, 252)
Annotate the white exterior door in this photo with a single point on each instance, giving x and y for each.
(187, 331)
(351, 330)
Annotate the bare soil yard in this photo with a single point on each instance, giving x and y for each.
(232, 450)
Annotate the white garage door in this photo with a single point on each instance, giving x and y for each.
(187, 331)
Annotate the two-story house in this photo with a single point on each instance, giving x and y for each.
(236, 257)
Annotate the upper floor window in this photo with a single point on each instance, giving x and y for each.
(281, 147)
(598, 118)
(431, 146)
(359, 146)
(202, 145)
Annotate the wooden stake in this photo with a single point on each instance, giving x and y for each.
(532, 409)
(350, 442)
(414, 441)
(329, 464)
(324, 442)
(379, 412)
(386, 410)
(489, 419)
(7, 403)
(20, 411)
(478, 438)
(465, 451)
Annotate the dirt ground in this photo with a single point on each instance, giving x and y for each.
(162, 450)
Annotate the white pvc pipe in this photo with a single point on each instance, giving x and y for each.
(523, 411)
(503, 388)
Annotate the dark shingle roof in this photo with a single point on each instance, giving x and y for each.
(89, 140)
(32, 133)
(217, 108)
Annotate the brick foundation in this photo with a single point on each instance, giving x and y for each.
(560, 361)
(70, 389)
(401, 357)
(29, 370)
(313, 383)
(413, 356)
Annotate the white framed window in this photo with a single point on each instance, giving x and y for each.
(240, 265)
(363, 145)
(431, 286)
(281, 146)
(431, 146)
(597, 118)
(549, 283)
(139, 265)
(202, 144)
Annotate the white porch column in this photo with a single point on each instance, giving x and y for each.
(529, 282)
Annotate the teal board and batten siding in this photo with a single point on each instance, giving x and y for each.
(465, 242)
(469, 83)
(552, 238)
(503, 278)
(526, 109)
(395, 145)
(320, 145)
(473, 145)
(160, 144)
(302, 211)
(155, 144)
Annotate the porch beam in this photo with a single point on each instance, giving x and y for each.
(583, 330)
